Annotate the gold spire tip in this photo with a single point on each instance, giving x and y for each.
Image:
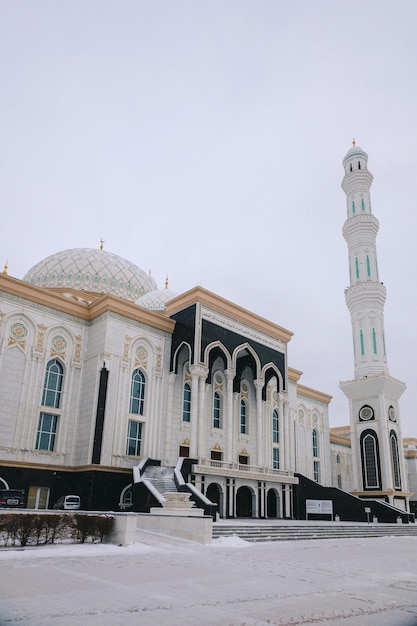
(101, 243)
(166, 282)
(354, 142)
(6, 267)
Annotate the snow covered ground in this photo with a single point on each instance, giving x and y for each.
(350, 582)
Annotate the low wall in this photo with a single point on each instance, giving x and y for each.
(190, 528)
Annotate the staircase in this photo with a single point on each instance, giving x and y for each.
(162, 478)
(292, 532)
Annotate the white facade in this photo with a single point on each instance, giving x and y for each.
(249, 424)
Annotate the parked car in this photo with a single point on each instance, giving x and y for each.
(13, 498)
(67, 503)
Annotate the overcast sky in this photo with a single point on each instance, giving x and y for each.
(203, 139)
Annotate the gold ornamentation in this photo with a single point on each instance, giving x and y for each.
(158, 356)
(126, 346)
(18, 334)
(41, 335)
(77, 351)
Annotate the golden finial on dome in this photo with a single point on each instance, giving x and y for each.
(101, 243)
(354, 142)
(166, 282)
(6, 267)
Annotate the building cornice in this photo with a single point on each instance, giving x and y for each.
(85, 306)
(235, 312)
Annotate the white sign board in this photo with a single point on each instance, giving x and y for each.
(319, 507)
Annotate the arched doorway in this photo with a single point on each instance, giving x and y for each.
(244, 502)
(272, 503)
(214, 494)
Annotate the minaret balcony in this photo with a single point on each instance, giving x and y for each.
(369, 293)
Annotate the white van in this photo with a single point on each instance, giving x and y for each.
(67, 503)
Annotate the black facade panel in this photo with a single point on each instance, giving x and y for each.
(183, 331)
(231, 340)
(101, 407)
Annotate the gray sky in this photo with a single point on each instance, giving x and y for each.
(204, 139)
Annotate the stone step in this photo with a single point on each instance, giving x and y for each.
(255, 533)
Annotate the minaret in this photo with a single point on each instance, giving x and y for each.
(377, 451)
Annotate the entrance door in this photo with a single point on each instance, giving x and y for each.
(214, 495)
(243, 502)
(38, 498)
(272, 503)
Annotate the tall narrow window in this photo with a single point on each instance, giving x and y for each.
(217, 410)
(363, 204)
(395, 459)
(275, 458)
(186, 405)
(353, 204)
(362, 342)
(316, 453)
(357, 267)
(243, 417)
(52, 387)
(134, 438)
(359, 165)
(275, 426)
(137, 393)
(374, 340)
(368, 265)
(45, 436)
(370, 461)
(315, 441)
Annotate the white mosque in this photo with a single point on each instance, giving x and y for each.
(118, 391)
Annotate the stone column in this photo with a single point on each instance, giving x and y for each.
(259, 426)
(228, 416)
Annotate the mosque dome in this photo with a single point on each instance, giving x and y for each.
(94, 270)
(156, 300)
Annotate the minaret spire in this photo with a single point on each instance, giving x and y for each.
(377, 459)
(365, 297)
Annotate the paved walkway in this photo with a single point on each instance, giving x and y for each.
(349, 582)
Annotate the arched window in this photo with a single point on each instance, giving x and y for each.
(359, 165)
(315, 441)
(370, 460)
(350, 167)
(186, 405)
(353, 203)
(339, 481)
(275, 426)
(52, 387)
(363, 204)
(217, 410)
(357, 267)
(243, 417)
(137, 393)
(395, 459)
(338, 459)
(368, 265)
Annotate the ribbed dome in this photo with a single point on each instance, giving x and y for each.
(156, 300)
(92, 270)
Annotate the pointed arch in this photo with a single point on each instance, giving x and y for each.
(214, 351)
(395, 460)
(178, 357)
(270, 371)
(371, 467)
